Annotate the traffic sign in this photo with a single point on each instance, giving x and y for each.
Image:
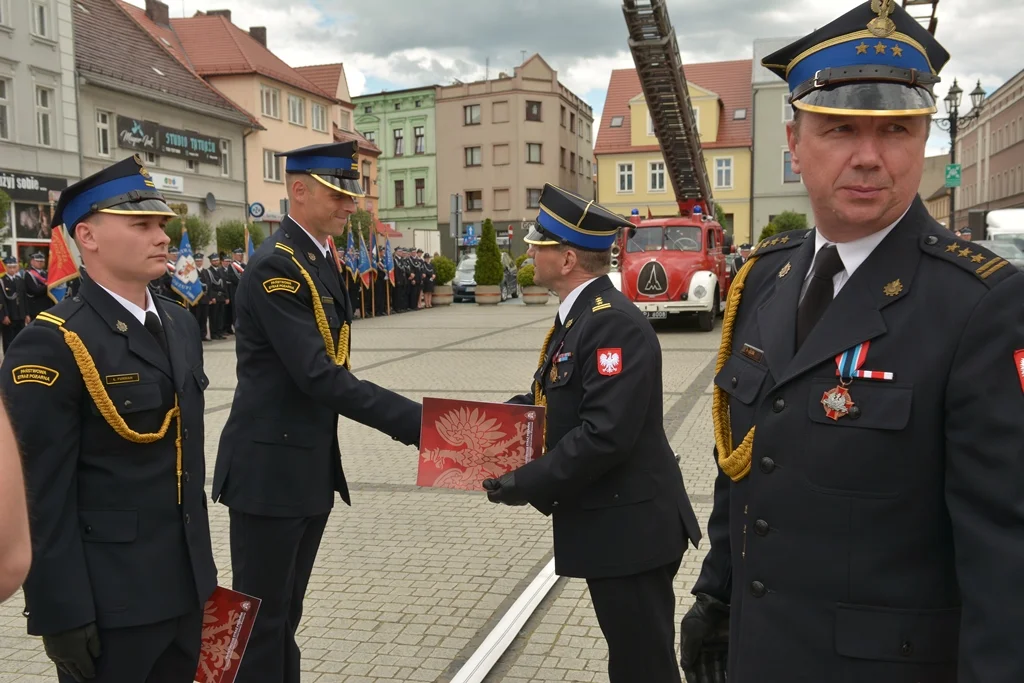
(952, 175)
(256, 210)
(510, 232)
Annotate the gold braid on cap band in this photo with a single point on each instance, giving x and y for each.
(93, 383)
(338, 354)
(539, 399)
(735, 463)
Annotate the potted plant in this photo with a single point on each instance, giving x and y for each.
(489, 272)
(532, 294)
(444, 269)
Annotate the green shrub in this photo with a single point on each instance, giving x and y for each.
(488, 258)
(200, 234)
(444, 269)
(526, 276)
(520, 259)
(789, 220)
(766, 232)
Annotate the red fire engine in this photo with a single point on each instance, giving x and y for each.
(671, 266)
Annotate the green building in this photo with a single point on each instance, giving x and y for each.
(401, 124)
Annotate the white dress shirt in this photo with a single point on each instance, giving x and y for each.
(852, 253)
(139, 313)
(323, 246)
(566, 305)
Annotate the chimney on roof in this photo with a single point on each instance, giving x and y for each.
(158, 13)
(259, 33)
(226, 13)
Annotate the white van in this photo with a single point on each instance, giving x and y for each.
(1006, 224)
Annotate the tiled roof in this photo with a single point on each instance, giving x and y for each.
(729, 80)
(110, 43)
(365, 146)
(324, 76)
(216, 47)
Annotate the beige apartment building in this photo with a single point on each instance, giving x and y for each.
(500, 140)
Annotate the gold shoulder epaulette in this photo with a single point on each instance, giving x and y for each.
(285, 247)
(987, 266)
(785, 240)
(600, 304)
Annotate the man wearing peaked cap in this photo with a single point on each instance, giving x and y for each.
(15, 311)
(105, 392)
(608, 478)
(279, 461)
(867, 404)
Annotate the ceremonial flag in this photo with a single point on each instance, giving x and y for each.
(62, 267)
(250, 249)
(185, 280)
(365, 267)
(351, 258)
(337, 256)
(374, 258)
(389, 261)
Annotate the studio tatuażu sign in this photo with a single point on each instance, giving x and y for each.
(147, 136)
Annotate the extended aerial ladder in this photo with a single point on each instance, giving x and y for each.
(652, 40)
(925, 12)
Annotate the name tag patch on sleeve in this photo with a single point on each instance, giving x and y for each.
(130, 378)
(609, 361)
(36, 374)
(280, 284)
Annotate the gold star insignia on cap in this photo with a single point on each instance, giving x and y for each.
(893, 288)
(862, 49)
(897, 51)
(880, 48)
(121, 327)
(965, 252)
(978, 258)
(952, 247)
(785, 270)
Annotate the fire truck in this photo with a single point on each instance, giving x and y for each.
(671, 266)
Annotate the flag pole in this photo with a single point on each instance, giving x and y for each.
(387, 292)
(362, 302)
(373, 299)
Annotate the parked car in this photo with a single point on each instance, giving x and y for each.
(464, 284)
(1007, 249)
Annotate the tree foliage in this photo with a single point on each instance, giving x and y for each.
(444, 269)
(525, 276)
(520, 259)
(5, 209)
(488, 258)
(200, 234)
(784, 222)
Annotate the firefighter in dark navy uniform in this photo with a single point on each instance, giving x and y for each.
(608, 478)
(15, 312)
(218, 295)
(37, 298)
(105, 393)
(868, 516)
(279, 462)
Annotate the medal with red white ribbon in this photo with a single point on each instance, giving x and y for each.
(838, 402)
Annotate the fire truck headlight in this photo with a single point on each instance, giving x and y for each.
(700, 292)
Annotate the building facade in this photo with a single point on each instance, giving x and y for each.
(776, 188)
(991, 152)
(932, 190)
(136, 98)
(401, 123)
(500, 140)
(632, 173)
(38, 119)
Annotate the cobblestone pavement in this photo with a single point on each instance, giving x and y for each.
(409, 581)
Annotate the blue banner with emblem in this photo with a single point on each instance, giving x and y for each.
(351, 258)
(186, 275)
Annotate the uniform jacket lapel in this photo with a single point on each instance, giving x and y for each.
(585, 299)
(140, 341)
(776, 318)
(856, 315)
(318, 266)
(175, 346)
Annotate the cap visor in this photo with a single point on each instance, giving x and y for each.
(143, 207)
(535, 236)
(868, 99)
(344, 185)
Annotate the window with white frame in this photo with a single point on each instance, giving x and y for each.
(41, 19)
(399, 142)
(225, 158)
(270, 102)
(533, 152)
(318, 114)
(625, 177)
(650, 125)
(787, 109)
(151, 158)
(657, 176)
(5, 107)
(346, 120)
(788, 175)
(4, 19)
(44, 116)
(192, 165)
(271, 167)
(296, 110)
(616, 122)
(533, 198)
(421, 139)
(723, 173)
(370, 135)
(102, 133)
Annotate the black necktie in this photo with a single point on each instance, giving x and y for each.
(156, 329)
(819, 294)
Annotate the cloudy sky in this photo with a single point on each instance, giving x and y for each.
(392, 44)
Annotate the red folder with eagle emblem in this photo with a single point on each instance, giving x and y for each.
(227, 624)
(464, 442)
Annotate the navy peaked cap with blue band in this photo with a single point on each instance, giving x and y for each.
(875, 60)
(124, 188)
(568, 219)
(10, 261)
(332, 164)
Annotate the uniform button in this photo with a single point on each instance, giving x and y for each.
(186, 476)
(931, 240)
(757, 589)
(907, 648)
(734, 381)
(761, 527)
(285, 436)
(767, 465)
(187, 518)
(554, 504)
(184, 433)
(88, 528)
(779, 405)
(25, 613)
(615, 497)
(854, 412)
(127, 404)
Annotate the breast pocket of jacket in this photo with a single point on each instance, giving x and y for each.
(129, 399)
(742, 379)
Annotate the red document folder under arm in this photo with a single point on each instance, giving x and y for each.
(464, 442)
(227, 623)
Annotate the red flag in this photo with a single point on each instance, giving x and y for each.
(62, 267)
(337, 256)
(649, 214)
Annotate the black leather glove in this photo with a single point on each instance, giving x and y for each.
(503, 490)
(74, 651)
(704, 641)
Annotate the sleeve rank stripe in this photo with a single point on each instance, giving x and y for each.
(600, 307)
(286, 248)
(50, 318)
(990, 267)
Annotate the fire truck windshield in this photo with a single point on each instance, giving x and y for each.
(685, 238)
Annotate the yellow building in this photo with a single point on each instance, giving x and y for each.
(631, 170)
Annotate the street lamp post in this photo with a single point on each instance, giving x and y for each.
(952, 123)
